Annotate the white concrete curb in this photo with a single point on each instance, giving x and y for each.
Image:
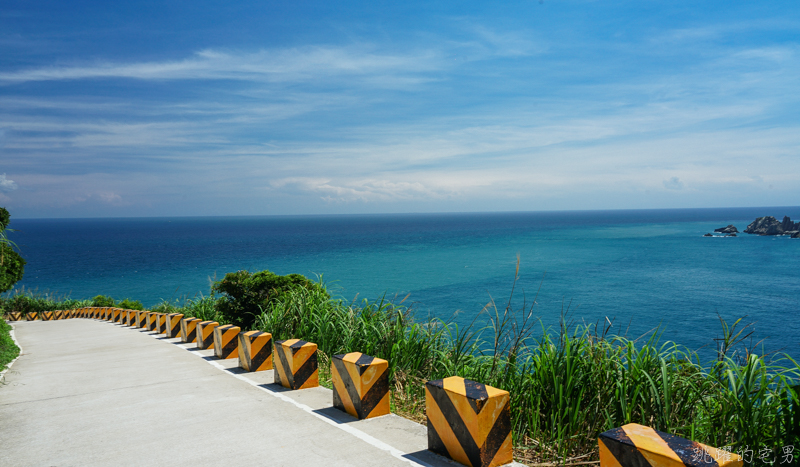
(14, 338)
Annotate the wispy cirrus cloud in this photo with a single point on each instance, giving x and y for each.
(277, 65)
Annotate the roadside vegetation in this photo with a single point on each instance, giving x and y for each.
(567, 385)
(8, 349)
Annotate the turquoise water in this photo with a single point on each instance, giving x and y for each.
(639, 269)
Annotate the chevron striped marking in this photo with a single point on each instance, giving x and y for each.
(296, 364)
(189, 329)
(174, 324)
(255, 350)
(31, 316)
(468, 422)
(360, 385)
(205, 334)
(15, 316)
(637, 445)
(226, 341)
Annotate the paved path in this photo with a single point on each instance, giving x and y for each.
(88, 392)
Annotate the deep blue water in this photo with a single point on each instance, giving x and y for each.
(640, 269)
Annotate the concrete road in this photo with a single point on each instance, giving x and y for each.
(89, 392)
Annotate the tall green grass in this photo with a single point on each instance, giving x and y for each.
(567, 385)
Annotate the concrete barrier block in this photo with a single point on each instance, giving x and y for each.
(189, 329)
(58, 314)
(152, 321)
(31, 316)
(255, 350)
(47, 316)
(296, 364)
(173, 328)
(635, 445)
(162, 323)
(103, 313)
(133, 316)
(205, 334)
(226, 341)
(360, 385)
(468, 422)
(141, 319)
(15, 316)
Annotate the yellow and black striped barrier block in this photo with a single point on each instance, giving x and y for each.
(226, 341)
(296, 364)
(141, 319)
(47, 316)
(360, 385)
(59, 314)
(115, 315)
(637, 445)
(205, 334)
(255, 350)
(189, 329)
(128, 317)
(82, 313)
(108, 314)
(152, 320)
(174, 324)
(152, 324)
(124, 316)
(15, 316)
(101, 314)
(161, 327)
(31, 316)
(468, 422)
(132, 314)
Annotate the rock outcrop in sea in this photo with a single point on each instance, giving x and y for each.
(768, 225)
(730, 229)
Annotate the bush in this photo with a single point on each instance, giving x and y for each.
(8, 349)
(102, 300)
(245, 294)
(129, 304)
(12, 266)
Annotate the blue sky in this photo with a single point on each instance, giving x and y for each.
(249, 108)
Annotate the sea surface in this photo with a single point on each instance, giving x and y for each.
(635, 269)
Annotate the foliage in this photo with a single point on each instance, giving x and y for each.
(103, 300)
(203, 308)
(244, 294)
(8, 349)
(26, 301)
(12, 266)
(129, 304)
(567, 386)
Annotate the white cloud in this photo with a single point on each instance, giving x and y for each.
(674, 183)
(274, 65)
(7, 185)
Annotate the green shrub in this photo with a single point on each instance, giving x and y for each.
(103, 300)
(245, 294)
(8, 349)
(12, 266)
(129, 304)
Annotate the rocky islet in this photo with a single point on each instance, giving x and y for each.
(767, 225)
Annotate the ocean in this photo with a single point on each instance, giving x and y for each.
(637, 269)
